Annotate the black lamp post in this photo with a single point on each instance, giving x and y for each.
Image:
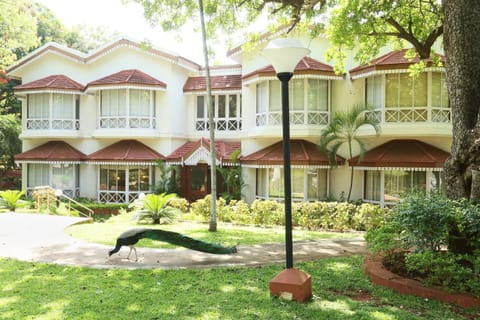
(284, 55)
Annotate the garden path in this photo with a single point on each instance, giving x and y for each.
(41, 238)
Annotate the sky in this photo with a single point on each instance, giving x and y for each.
(128, 20)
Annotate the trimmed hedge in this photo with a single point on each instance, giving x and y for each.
(337, 216)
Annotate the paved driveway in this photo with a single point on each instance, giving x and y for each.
(35, 237)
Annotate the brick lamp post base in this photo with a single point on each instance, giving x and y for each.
(292, 284)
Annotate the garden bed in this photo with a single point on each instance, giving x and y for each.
(379, 274)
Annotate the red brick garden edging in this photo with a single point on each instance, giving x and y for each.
(373, 267)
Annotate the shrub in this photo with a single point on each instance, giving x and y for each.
(369, 216)
(202, 207)
(453, 272)
(154, 207)
(384, 239)
(426, 219)
(11, 199)
(180, 203)
(268, 212)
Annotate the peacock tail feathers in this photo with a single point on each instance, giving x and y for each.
(187, 242)
(132, 236)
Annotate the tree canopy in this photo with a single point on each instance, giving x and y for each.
(367, 26)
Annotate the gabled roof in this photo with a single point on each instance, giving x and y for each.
(218, 83)
(402, 154)
(52, 151)
(302, 153)
(125, 152)
(132, 77)
(86, 58)
(391, 61)
(193, 151)
(57, 82)
(306, 66)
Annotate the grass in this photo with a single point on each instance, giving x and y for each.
(341, 291)
(106, 232)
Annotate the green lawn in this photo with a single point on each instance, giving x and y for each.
(341, 291)
(227, 234)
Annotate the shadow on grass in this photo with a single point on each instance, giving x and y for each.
(40, 291)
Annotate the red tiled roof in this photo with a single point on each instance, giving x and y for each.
(57, 82)
(390, 61)
(52, 151)
(217, 83)
(223, 149)
(133, 76)
(301, 153)
(126, 151)
(403, 154)
(306, 66)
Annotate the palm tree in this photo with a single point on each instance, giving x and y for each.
(343, 129)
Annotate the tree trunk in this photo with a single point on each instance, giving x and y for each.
(462, 50)
(213, 159)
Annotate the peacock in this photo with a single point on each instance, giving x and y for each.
(132, 236)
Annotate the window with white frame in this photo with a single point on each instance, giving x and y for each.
(308, 102)
(386, 186)
(52, 111)
(307, 183)
(123, 183)
(406, 99)
(227, 113)
(63, 177)
(127, 108)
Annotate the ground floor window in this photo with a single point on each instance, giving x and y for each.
(307, 183)
(386, 186)
(63, 177)
(123, 183)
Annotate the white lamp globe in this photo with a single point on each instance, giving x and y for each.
(284, 54)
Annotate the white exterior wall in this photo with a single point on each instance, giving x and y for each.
(175, 112)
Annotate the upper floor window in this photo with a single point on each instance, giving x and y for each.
(127, 108)
(57, 111)
(227, 113)
(308, 101)
(401, 98)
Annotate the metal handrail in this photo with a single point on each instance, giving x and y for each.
(70, 200)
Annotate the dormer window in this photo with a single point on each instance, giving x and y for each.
(308, 102)
(227, 113)
(52, 111)
(127, 108)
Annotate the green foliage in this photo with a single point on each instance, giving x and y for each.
(426, 219)
(169, 179)
(11, 199)
(384, 239)
(456, 273)
(10, 143)
(368, 26)
(232, 179)
(18, 31)
(154, 207)
(336, 216)
(343, 130)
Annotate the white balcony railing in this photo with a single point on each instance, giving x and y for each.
(273, 118)
(109, 196)
(52, 124)
(126, 122)
(419, 114)
(220, 124)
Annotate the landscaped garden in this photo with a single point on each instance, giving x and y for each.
(340, 288)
